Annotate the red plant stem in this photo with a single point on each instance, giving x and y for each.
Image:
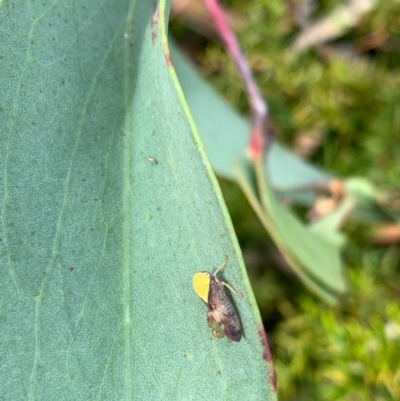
(259, 136)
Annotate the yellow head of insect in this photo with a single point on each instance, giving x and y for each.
(201, 285)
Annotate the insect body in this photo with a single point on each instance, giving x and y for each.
(222, 316)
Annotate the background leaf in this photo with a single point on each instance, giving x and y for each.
(98, 241)
(315, 260)
(222, 128)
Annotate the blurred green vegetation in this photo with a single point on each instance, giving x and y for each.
(347, 352)
(346, 94)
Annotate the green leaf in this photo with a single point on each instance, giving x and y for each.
(328, 227)
(315, 260)
(109, 206)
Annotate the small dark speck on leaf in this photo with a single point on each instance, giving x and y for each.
(152, 160)
(71, 269)
(83, 179)
(95, 199)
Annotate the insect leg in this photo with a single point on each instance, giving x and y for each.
(222, 266)
(233, 290)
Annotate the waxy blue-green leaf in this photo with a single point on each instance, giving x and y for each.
(109, 205)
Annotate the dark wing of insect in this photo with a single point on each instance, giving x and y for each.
(222, 310)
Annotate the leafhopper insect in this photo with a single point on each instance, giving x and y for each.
(220, 308)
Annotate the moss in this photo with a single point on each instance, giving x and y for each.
(349, 352)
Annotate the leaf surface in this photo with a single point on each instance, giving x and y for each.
(109, 206)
